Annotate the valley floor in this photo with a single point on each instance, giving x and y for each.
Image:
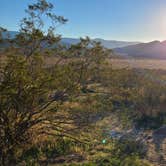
(127, 63)
(139, 63)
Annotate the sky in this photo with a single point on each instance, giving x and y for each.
(127, 20)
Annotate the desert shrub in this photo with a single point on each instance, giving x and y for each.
(119, 152)
(60, 147)
(30, 156)
(49, 149)
(128, 147)
(33, 94)
(134, 161)
(151, 122)
(128, 161)
(140, 96)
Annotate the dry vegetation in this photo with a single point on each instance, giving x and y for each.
(139, 63)
(73, 106)
(156, 64)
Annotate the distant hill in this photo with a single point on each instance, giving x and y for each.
(114, 43)
(110, 44)
(9, 34)
(154, 49)
(68, 41)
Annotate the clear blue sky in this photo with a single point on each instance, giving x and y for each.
(132, 20)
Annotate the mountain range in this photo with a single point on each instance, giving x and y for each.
(110, 44)
(154, 49)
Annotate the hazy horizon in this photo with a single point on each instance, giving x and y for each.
(94, 38)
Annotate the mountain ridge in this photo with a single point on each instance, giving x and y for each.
(154, 49)
(110, 44)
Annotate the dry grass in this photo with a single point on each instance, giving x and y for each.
(115, 62)
(127, 63)
(139, 63)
